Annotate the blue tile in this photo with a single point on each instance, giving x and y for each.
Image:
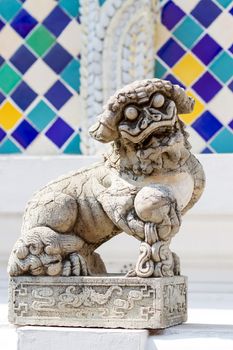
(206, 151)
(2, 97)
(9, 147)
(57, 58)
(1, 60)
(188, 31)
(231, 124)
(58, 95)
(56, 21)
(171, 14)
(171, 52)
(205, 12)
(207, 125)
(24, 134)
(207, 87)
(223, 142)
(73, 146)
(231, 48)
(71, 7)
(206, 49)
(222, 67)
(173, 80)
(1, 24)
(2, 134)
(231, 11)
(71, 75)
(23, 23)
(59, 132)
(231, 86)
(23, 96)
(23, 59)
(9, 8)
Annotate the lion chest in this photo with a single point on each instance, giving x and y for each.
(181, 184)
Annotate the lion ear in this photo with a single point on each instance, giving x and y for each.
(102, 133)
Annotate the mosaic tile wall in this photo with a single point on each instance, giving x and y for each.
(40, 104)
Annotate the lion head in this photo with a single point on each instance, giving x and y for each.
(142, 120)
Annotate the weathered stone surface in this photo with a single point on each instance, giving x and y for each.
(109, 301)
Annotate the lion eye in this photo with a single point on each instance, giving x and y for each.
(158, 100)
(131, 113)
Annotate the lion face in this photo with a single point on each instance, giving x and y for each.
(140, 121)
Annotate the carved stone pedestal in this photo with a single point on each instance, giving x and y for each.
(103, 301)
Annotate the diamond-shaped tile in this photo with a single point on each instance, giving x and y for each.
(188, 69)
(57, 58)
(23, 95)
(188, 32)
(59, 132)
(33, 77)
(2, 134)
(23, 59)
(231, 86)
(223, 142)
(231, 11)
(58, 95)
(23, 23)
(224, 3)
(206, 49)
(9, 41)
(231, 48)
(171, 52)
(207, 125)
(2, 98)
(41, 146)
(8, 78)
(198, 109)
(73, 146)
(207, 87)
(9, 8)
(206, 150)
(56, 21)
(186, 6)
(1, 24)
(40, 9)
(159, 69)
(24, 134)
(9, 115)
(222, 67)
(40, 40)
(71, 75)
(1, 61)
(9, 147)
(69, 111)
(173, 80)
(71, 7)
(205, 12)
(41, 115)
(231, 124)
(218, 32)
(171, 14)
(66, 39)
(221, 105)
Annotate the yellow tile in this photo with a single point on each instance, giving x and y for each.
(188, 69)
(9, 116)
(198, 109)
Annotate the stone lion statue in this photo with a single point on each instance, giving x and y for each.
(143, 186)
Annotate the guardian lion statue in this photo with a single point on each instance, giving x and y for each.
(143, 186)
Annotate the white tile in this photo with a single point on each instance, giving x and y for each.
(73, 112)
(40, 77)
(221, 106)
(42, 146)
(39, 8)
(10, 41)
(196, 141)
(186, 5)
(70, 38)
(161, 36)
(222, 29)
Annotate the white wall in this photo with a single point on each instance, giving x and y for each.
(205, 242)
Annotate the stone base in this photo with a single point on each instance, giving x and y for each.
(112, 301)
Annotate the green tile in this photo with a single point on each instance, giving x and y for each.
(223, 142)
(70, 6)
(40, 40)
(41, 115)
(74, 146)
(222, 67)
(224, 3)
(9, 8)
(188, 32)
(8, 78)
(159, 70)
(71, 74)
(8, 147)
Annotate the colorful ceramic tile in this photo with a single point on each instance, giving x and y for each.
(73, 146)
(23, 59)
(71, 7)
(2, 97)
(171, 15)
(40, 40)
(223, 142)
(57, 58)
(23, 23)
(2, 134)
(222, 67)
(206, 49)
(207, 87)
(41, 115)
(23, 95)
(9, 115)
(198, 109)
(9, 8)
(56, 21)
(224, 3)
(171, 52)
(59, 132)
(159, 70)
(188, 31)
(206, 12)
(24, 134)
(207, 125)
(58, 95)
(8, 78)
(188, 69)
(71, 75)
(9, 147)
